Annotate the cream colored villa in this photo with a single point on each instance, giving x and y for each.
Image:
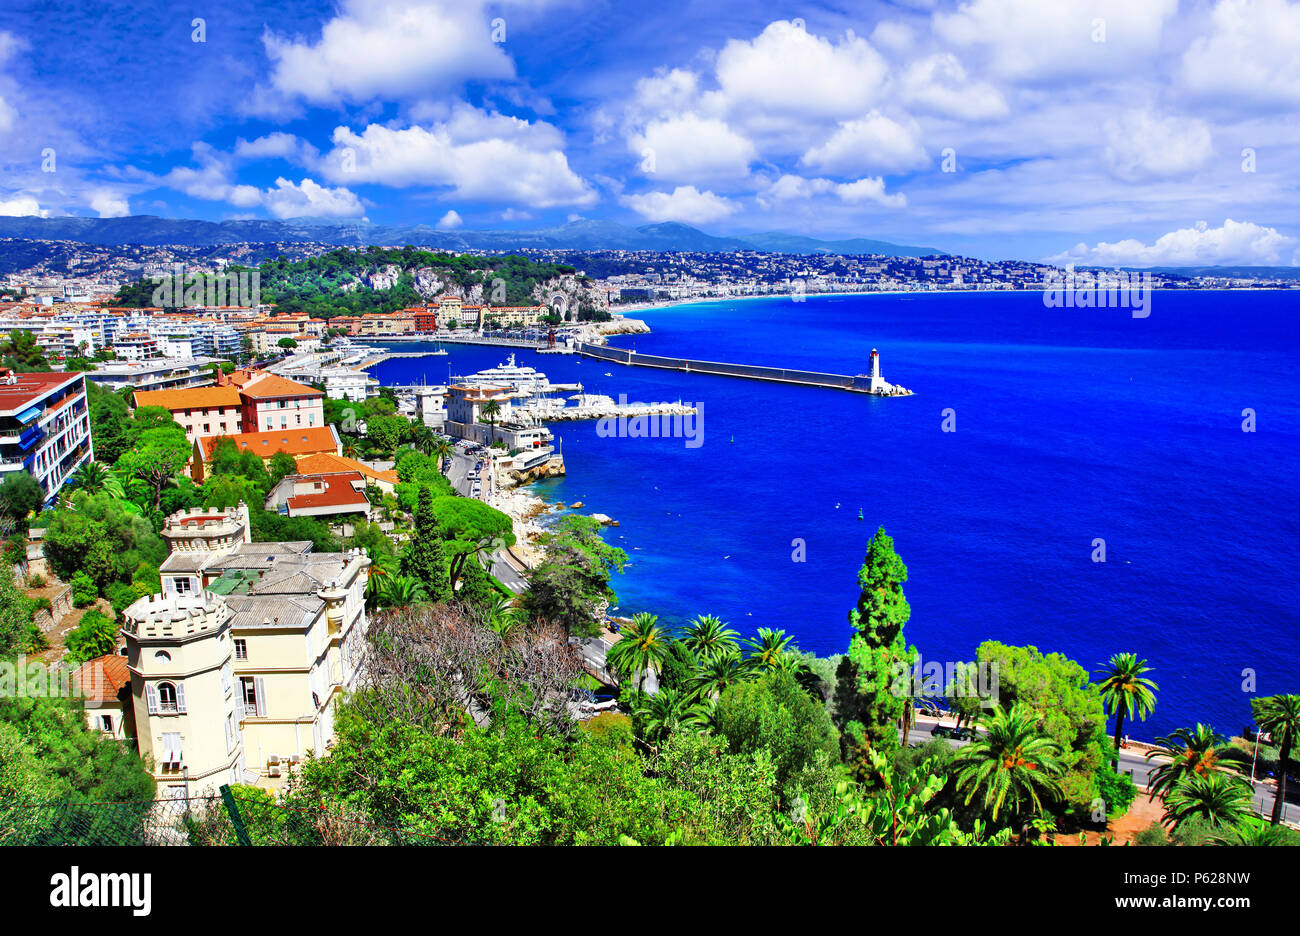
(237, 666)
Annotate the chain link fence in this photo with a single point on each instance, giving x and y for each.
(235, 817)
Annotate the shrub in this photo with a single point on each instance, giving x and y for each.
(35, 581)
(1117, 790)
(95, 636)
(1153, 834)
(84, 592)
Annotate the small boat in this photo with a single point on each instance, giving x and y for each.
(733, 440)
(859, 513)
(608, 374)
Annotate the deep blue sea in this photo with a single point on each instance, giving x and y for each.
(1071, 425)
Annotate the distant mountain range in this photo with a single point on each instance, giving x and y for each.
(150, 231)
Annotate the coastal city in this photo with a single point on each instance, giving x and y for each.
(431, 424)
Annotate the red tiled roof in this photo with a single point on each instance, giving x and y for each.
(102, 678)
(189, 398)
(271, 386)
(338, 491)
(28, 388)
(292, 441)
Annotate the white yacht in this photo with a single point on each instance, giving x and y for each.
(527, 381)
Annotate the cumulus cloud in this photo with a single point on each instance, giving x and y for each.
(868, 190)
(938, 84)
(21, 206)
(1142, 145)
(1030, 39)
(276, 145)
(480, 156)
(450, 221)
(692, 147)
(786, 69)
(1250, 54)
(109, 204)
(308, 199)
(685, 203)
(385, 49)
(1235, 242)
(872, 142)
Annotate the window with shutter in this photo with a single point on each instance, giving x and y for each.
(180, 698)
(259, 688)
(151, 698)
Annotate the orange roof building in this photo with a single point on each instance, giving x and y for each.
(328, 464)
(318, 440)
(203, 412)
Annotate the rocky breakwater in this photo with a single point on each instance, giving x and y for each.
(621, 326)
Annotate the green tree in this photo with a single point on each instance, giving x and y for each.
(1125, 692)
(424, 558)
(93, 477)
(1279, 716)
(20, 494)
(400, 591)
(877, 651)
(156, 460)
(1068, 707)
(1186, 752)
(640, 649)
(1220, 799)
(287, 343)
(281, 466)
(21, 353)
(707, 636)
(491, 410)
(1012, 764)
(774, 714)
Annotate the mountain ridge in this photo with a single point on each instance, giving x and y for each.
(152, 231)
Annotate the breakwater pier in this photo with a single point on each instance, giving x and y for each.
(870, 383)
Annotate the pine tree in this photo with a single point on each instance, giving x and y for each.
(870, 701)
(424, 557)
(476, 590)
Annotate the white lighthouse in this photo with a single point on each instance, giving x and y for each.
(878, 384)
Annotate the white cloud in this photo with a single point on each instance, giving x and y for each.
(1142, 145)
(386, 49)
(22, 206)
(109, 204)
(481, 157)
(450, 221)
(310, 200)
(869, 190)
(1243, 243)
(685, 203)
(787, 70)
(692, 147)
(939, 84)
(276, 145)
(872, 142)
(1252, 53)
(1033, 39)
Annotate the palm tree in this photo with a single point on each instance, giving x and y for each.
(1190, 752)
(400, 591)
(1125, 692)
(718, 672)
(1222, 799)
(766, 650)
(442, 449)
(505, 618)
(1254, 833)
(708, 636)
(1279, 715)
(1013, 763)
(492, 409)
(641, 648)
(668, 711)
(91, 477)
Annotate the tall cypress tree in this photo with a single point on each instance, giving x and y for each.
(424, 557)
(868, 699)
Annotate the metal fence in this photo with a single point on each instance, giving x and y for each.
(231, 818)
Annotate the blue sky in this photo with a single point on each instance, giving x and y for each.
(1103, 131)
